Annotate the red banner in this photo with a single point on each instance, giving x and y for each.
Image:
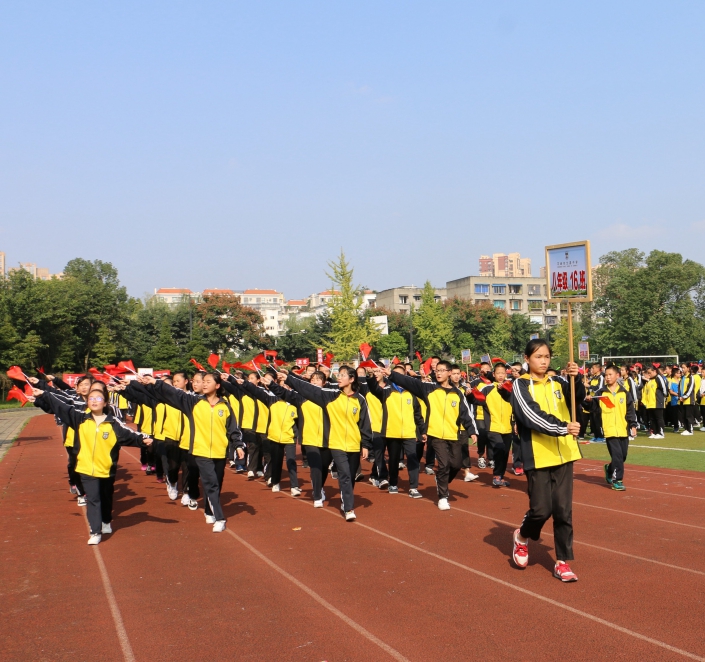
(301, 363)
(70, 378)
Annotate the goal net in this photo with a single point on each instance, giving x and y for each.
(663, 359)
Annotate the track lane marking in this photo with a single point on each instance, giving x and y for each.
(538, 596)
(648, 473)
(120, 630)
(392, 652)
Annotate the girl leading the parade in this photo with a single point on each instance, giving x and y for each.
(542, 411)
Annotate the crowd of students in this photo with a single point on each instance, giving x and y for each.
(191, 427)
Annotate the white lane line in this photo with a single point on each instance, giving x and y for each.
(537, 596)
(322, 601)
(664, 448)
(674, 475)
(624, 512)
(120, 630)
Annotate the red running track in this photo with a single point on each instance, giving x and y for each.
(290, 582)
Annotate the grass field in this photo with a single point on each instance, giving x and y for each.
(13, 404)
(687, 458)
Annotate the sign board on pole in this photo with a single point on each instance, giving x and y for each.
(335, 368)
(568, 273)
(72, 378)
(465, 356)
(534, 336)
(382, 324)
(319, 355)
(584, 351)
(145, 371)
(158, 374)
(302, 363)
(485, 358)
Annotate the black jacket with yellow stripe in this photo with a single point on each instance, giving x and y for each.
(401, 411)
(212, 427)
(621, 417)
(542, 412)
(310, 421)
(346, 419)
(282, 415)
(447, 407)
(70, 398)
(96, 445)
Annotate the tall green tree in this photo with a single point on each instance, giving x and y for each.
(349, 327)
(227, 325)
(391, 345)
(432, 323)
(165, 355)
(104, 351)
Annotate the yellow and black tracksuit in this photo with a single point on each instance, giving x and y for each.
(97, 446)
(253, 420)
(654, 395)
(149, 419)
(595, 383)
(379, 469)
(402, 424)
(618, 417)
(310, 425)
(497, 409)
(688, 401)
(281, 432)
(447, 411)
(346, 427)
(479, 411)
(541, 409)
(212, 427)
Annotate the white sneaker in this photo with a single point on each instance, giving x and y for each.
(94, 539)
(192, 504)
(323, 494)
(219, 526)
(375, 482)
(210, 519)
(470, 476)
(260, 474)
(702, 429)
(429, 470)
(653, 436)
(383, 483)
(402, 465)
(685, 433)
(482, 463)
(295, 491)
(659, 436)
(350, 516)
(443, 504)
(172, 491)
(106, 528)
(318, 504)
(185, 499)
(81, 501)
(275, 488)
(250, 474)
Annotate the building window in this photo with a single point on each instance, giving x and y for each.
(551, 320)
(403, 299)
(535, 304)
(500, 303)
(515, 289)
(417, 297)
(515, 305)
(482, 289)
(534, 290)
(436, 298)
(499, 289)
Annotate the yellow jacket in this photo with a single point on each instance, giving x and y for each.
(616, 420)
(401, 412)
(498, 409)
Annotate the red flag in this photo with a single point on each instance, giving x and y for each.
(40, 370)
(279, 362)
(427, 367)
(329, 358)
(114, 371)
(507, 385)
(28, 390)
(496, 359)
(15, 394)
(298, 371)
(418, 356)
(365, 350)
(158, 374)
(260, 359)
(478, 395)
(270, 353)
(395, 361)
(368, 364)
(15, 372)
(127, 366)
(198, 365)
(99, 376)
(213, 360)
(250, 365)
(605, 400)
(227, 366)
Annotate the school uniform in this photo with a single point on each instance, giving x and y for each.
(595, 383)
(541, 410)
(346, 428)
(448, 409)
(653, 396)
(617, 417)
(499, 421)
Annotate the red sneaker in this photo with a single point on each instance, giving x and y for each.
(520, 555)
(519, 471)
(563, 572)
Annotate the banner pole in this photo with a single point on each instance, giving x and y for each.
(571, 358)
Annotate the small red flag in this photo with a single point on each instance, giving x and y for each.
(395, 361)
(28, 390)
(15, 372)
(328, 360)
(497, 359)
(15, 394)
(250, 365)
(127, 366)
(427, 367)
(605, 400)
(365, 350)
(213, 360)
(478, 395)
(368, 364)
(418, 356)
(198, 365)
(507, 385)
(40, 370)
(270, 353)
(260, 359)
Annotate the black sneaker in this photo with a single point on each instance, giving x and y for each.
(393, 489)
(415, 494)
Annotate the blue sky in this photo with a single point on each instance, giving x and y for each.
(242, 144)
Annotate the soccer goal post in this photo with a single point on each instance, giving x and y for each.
(671, 359)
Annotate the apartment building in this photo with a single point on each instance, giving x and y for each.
(38, 273)
(2, 263)
(400, 299)
(505, 265)
(514, 294)
(173, 296)
(269, 304)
